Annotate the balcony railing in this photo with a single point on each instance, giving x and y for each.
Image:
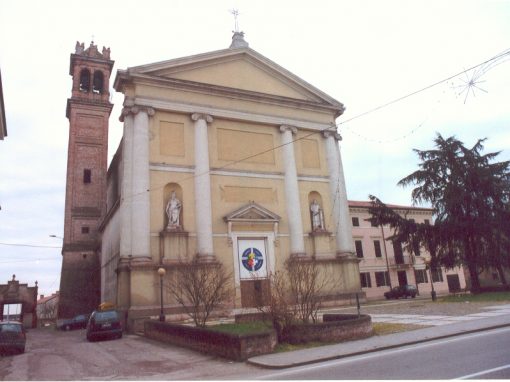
(402, 261)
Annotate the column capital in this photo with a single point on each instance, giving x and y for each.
(334, 134)
(135, 109)
(206, 117)
(284, 128)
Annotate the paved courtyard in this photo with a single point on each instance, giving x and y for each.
(422, 311)
(436, 320)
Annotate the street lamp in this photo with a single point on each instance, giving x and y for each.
(57, 237)
(161, 273)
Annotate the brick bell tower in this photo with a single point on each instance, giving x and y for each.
(88, 111)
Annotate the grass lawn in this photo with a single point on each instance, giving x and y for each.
(242, 328)
(382, 328)
(482, 297)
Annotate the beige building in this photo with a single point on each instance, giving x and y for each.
(385, 264)
(223, 154)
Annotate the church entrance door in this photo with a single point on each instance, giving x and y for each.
(253, 271)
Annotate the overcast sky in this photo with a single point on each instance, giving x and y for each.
(362, 53)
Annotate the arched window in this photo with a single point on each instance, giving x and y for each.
(98, 82)
(84, 80)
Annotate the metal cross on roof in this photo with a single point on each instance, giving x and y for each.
(235, 12)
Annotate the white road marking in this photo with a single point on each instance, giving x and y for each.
(405, 348)
(484, 372)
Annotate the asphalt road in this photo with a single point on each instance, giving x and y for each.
(57, 355)
(482, 355)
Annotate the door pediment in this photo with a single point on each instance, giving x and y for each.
(252, 213)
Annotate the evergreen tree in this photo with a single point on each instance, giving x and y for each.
(470, 198)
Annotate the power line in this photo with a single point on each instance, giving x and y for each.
(498, 56)
(335, 126)
(30, 245)
(27, 261)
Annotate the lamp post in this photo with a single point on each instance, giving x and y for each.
(161, 273)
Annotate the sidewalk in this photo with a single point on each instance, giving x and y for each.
(376, 343)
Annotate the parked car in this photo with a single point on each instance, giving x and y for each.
(12, 337)
(401, 291)
(77, 322)
(104, 324)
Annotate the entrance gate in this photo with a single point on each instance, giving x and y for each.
(14, 293)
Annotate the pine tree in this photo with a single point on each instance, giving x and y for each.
(470, 198)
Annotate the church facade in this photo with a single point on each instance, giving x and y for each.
(223, 154)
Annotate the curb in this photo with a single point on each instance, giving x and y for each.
(253, 361)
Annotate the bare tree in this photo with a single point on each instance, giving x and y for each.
(49, 310)
(295, 294)
(306, 284)
(200, 288)
(276, 303)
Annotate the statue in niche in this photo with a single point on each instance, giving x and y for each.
(317, 216)
(173, 211)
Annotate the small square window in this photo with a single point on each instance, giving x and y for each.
(355, 222)
(87, 175)
(85, 230)
(366, 282)
(373, 224)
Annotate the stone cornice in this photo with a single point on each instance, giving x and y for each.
(230, 114)
(154, 166)
(224, 91)
(89, 104)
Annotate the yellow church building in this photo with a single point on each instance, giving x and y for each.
(223, 153)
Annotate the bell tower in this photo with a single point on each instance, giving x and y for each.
(88, 111)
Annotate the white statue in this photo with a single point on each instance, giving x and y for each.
(173, 211)
(317, 216)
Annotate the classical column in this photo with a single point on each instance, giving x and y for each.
(293, 205)
(203, 210)
(127, 179)
(135, 213)
(338, 191)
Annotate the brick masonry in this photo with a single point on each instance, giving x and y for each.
(236, 347)
(334, 328)
(88, 111)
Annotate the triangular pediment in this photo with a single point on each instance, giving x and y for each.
(252, 212)
(243, 69)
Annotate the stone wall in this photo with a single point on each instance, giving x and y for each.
(334, 328)
(232, 346)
